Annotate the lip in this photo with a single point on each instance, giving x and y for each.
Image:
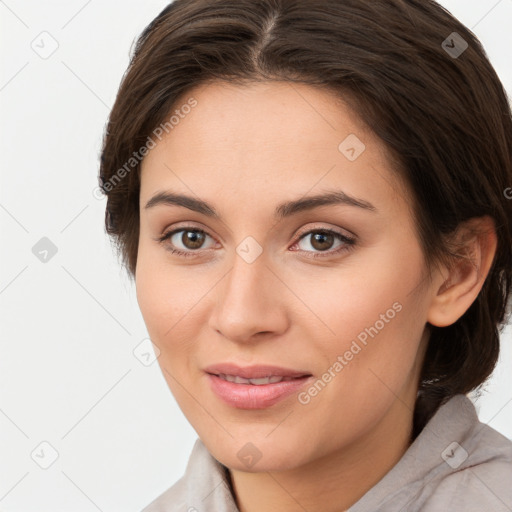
(250, 396)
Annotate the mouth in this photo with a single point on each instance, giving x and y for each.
(255, 387)
(272, 379)
(254, 372)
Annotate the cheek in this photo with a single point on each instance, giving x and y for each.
(170, 298)
(371, 358)
(160, 295)
(372, 315)
(341, 302)
(153, 298)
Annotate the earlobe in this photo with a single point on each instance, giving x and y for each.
(458, 287)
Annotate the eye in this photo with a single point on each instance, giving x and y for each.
(192, 238)
(323, 240)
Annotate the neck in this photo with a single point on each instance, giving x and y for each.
(332, 483)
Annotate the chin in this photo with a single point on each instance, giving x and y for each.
(258, 453)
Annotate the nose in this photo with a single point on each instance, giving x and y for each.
(249, 302)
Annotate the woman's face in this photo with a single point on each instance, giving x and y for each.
(333, 292)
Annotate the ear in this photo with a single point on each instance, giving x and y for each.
(457, 287)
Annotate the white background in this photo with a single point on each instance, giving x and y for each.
(68, 375)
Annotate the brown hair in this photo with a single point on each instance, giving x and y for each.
(444, 116)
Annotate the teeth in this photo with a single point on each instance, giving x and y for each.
(257, 382)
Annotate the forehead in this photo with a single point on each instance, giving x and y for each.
(264, 116)
(278, 136)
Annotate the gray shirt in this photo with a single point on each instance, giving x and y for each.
(456, 463)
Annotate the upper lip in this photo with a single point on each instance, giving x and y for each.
(255, 371)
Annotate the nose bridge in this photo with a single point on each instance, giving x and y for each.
(244, 293)
(246, 302)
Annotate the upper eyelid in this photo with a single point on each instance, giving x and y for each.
(340, 231)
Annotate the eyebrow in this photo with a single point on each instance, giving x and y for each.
(282, 211)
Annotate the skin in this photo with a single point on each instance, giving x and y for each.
(244, 150)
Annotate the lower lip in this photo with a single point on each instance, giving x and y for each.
(250, 396)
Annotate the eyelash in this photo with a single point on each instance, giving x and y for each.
(349, 242)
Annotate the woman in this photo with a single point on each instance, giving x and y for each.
(312, 199)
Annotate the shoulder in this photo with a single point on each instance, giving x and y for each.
(484, 487)
(481, 476)
(204, 486)
(172, 500)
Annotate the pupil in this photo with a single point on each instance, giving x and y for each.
(194, 237)
(319, 238)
